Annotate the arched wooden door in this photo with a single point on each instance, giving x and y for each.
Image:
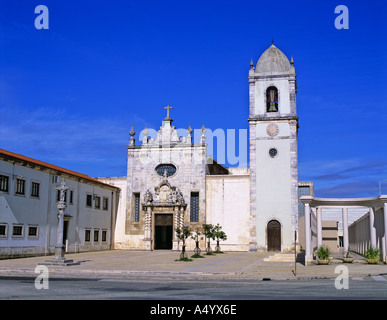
(274, 236)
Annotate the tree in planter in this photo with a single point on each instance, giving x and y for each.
(323, 254)
(182, 234)
(197, 250)
(219, 235)
(209, 234)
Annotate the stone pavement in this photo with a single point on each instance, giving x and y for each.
(162, 264)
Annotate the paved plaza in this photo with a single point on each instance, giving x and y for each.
(162, 264)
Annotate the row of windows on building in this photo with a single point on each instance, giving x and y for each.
(96, 235)
(99, 202)
(20, 190)
(20, 186)
(194, 207)
(18, 231)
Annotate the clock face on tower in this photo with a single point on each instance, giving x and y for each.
(272, 129)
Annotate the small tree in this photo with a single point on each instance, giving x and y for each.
(209, 234)
(182, 234)
(323, 253)
(197, 250)
(219, 235)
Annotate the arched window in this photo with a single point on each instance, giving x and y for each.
(272, 99)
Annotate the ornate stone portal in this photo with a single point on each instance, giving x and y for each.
(169, 201)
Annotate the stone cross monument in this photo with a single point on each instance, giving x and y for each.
(59, 258)
(61, 205)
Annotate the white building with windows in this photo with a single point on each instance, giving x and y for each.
(28, 212)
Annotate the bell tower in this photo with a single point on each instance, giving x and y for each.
(273, 125)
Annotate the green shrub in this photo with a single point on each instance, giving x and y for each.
(372, 253)
(323, 253)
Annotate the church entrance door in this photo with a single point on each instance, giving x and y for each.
(273, 236)
(163, 231)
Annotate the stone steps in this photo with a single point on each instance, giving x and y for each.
(280, 257)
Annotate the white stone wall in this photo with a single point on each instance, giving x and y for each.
(121, 240)
(228, 203)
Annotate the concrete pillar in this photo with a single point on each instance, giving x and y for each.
(319, 226)
(308, 247)
(372, 228)
(345, 229)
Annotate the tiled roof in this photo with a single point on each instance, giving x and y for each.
(9, 154)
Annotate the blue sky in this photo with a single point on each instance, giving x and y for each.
(69, 94)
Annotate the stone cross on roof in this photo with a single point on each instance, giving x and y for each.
(168, 108)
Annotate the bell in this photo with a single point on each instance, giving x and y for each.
(272, 107)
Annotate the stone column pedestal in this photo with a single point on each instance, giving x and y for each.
(147, 244)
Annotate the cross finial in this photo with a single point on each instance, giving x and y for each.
(168, 108)
(62, 190)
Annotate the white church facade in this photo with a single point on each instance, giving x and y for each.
(172, 182)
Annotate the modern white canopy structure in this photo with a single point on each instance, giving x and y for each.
(374, 204)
